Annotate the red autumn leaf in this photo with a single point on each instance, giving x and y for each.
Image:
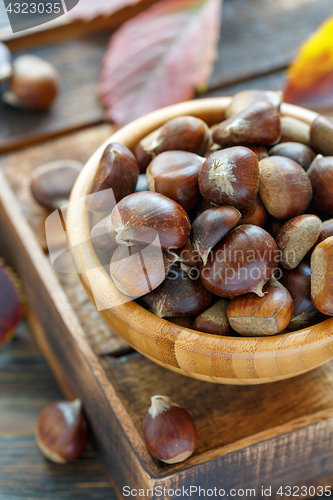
(88, 9)
(160, 57)
(310, 77)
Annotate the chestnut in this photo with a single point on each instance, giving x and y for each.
(185, 133)
(321, 134)
(117, 170)
(326, 230)
(33, 84)
(210, 227)
(230, 177)
(300, 153)
(214, 320)
(285, 188)
(260, 151)
(52, 183)
(294, 130)
(250, 315)
(246, 98)
(175, 174)
(298, 283)
(257, 124)
(169, 431)
(142, 157)
(144, 216)
(242, 262)
(188, 255)
(137, 270)
(322, 276)
(321, 176)
(296, 237)
(178, 295)
(103, 236)
(61, 431)
(255, 214)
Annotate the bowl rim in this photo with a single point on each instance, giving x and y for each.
(129, 318)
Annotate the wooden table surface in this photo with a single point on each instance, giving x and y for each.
(259, 38)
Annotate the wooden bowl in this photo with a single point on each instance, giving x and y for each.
(225, 360)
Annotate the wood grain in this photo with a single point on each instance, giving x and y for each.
(26, 386)
(18, 167)
(77, 105)
(262, 36)
(257, 37)
(68, 28)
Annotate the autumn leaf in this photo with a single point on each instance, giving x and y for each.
(310, 77)
(160, 57)
(88, 9)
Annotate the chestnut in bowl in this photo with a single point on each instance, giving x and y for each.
(204, 356)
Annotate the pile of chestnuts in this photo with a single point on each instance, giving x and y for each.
(225, 225)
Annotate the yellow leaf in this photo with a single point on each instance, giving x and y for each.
(310, 76)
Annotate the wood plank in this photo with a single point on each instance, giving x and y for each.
(76, 106)
(256, 37)
(18, 168)
(224, 414)
(261, 36)
(66, 347)
(26, 386)
(68, 28)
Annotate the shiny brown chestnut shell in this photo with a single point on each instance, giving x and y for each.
(144, 216)
(178, 295)
(321, 177)
(138, 269)
(230, 177)
(321, 135)
(255, 214)
(296, 237)
(246, 98)
(250, 315)
(322, 276)
(214, 320)
(300, 153)
(285, 188)
(258, 124)
(210, 227)
(175, 174)
(243, 262)
(118, 171)
(169, 431)
(298, 283)
(185, 133)
(33, 85)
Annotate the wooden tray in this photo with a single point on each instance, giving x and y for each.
(249, 437)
